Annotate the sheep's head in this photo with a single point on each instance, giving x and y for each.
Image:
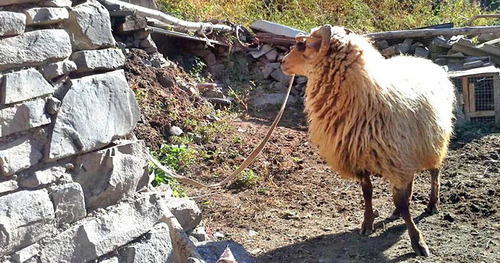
(310, 49)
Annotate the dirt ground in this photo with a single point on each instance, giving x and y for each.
(301, 211)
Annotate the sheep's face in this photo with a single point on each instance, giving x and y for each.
(310, 49)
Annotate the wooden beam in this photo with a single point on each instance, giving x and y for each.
(416, 33)
(117, 5)
(183, 35)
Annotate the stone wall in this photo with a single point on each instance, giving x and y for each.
(72, 176)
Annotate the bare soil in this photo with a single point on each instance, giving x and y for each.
(301, 211)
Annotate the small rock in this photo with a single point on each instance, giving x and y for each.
(69, 203)
(263, 50)
(422, 52)
(175, 131)
(104, 59)
(26, 253)
(141, 34)
(200, 234)
(382, 44)
(272, 55)
(22, 117)
(252, 233)
(186, 211)
(57, 3)
(390, 51)
(23, 85)
(449, 217)
(53, 105)
(57, 69)
(220, 103)
(219, 235)
(404, 47)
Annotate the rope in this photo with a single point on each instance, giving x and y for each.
(245, 163)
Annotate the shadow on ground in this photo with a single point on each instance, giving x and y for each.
(346, 247)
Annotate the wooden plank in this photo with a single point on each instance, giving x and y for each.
(496, 96)
(472, 97)
(489, 113)
(269, 38)
(465, 90)
(416, 33)
(277, 29)
(183, 35)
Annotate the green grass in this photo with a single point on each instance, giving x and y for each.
(359, 15)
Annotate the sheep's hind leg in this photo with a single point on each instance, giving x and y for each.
(401, 200)
(396, 213)
(432, 207)
(366, 186)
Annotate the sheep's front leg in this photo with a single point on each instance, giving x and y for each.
(402, 202)
(432, 207)
(366, 186)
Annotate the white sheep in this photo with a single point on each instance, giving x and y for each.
(371, 115)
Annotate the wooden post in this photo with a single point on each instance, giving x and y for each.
(465, 90)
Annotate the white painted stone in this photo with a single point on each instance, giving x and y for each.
(110, 175)
(154, 247)
(45, 15)
(26, 253)
(23, 85)
(17, 155)
(23, 117)
(104, 59)
(12, 23)
(89, 26)
(57, 69)
(186, 211)
(110, 229)
(25, 217)
(69, 203)
(8, 186)
(34, 48)
(80, 128)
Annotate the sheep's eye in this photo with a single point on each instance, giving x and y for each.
(300, 46)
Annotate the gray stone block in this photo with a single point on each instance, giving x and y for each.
(12, 23)
(45, 177)
(17, 155)
(45, 15)
(80, 128)
(8, 186)
(57, 69)
(89, 26)
(109, 175)
(186, 211)
(69, 203)
(23, 85)
(34, 48)
(153, 247)
(104, 59)
(57, 3)
(26, 253)
(25, 217)
(211, 251)
(91, 238)
(280, 76)
(23, 117)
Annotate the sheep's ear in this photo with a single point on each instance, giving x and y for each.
(348, 31)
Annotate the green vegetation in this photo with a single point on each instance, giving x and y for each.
(247, 178)
(360, 15)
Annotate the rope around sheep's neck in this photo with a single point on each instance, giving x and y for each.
(245, 163)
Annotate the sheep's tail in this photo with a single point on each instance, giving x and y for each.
(245, 163)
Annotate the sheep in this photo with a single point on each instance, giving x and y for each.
(370, 115)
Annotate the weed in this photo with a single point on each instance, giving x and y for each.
(247, 178)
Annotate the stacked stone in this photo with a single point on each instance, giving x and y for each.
(70, 171)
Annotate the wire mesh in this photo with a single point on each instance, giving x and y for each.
(483, 92)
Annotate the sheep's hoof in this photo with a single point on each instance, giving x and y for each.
(421, 248)
(432, 209)
(366, 227)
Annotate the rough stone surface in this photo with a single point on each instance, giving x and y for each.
(12, 23)
(17, 155)
(25, 217)
(280, 76)
(154, 247)
(69, 203)
(23, 85)
(405, 46)
(45, 177)
(268, 99)
(34, 48)
(92, 238)
(80, 128)
(175, 131)
(104, 59)
(186, 211)
(269, 68)
(422, 52)
(45, 15)
(211, 251)
(199, 234)
(8, 186)
(26, 253)
(23, 117)
(110, 175)
(89, 26)
(57, 69)
(12, 2)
